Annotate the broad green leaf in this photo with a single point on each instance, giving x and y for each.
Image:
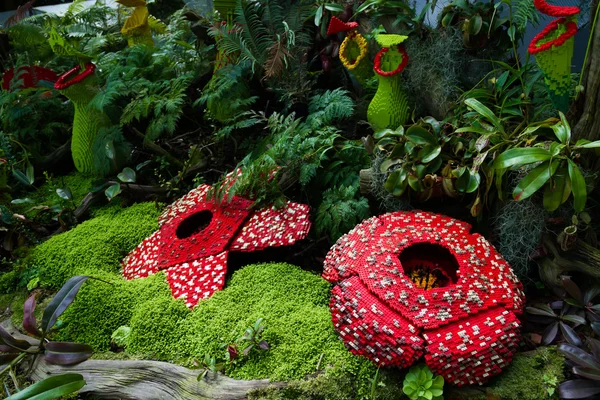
(577, 186)
(475, 129)
(562, 131)
(566, 126)
(109, 150)
(29, 173)
(521, 156)
(112, 191)
(420, 136)
(511, 32)
(535, 180)
(429, 153)
(467, 182)
(485, 112)
(475, 24)
(64, 194)
(21, 177)
(127, 175)
(334, 7)
(587, 144)
(318, 16)
(26, 200)
(50, 388)
(559, 191)
(396, 183)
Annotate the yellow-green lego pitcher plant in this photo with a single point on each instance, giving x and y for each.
(389, 107)
(80, 88)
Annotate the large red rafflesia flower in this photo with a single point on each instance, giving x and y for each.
(414, 283)
(197, 233)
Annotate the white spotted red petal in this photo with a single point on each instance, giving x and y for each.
(272, 227)
(199, 279)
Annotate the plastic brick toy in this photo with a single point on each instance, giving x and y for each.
(197, 233)
(80, 88)
(29, 75)
(553, 50)
(354, 50)
(409, 284)
(389, 107)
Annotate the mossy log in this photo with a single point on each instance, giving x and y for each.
(144, 379)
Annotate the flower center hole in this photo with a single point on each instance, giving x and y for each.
(429, 265)
(194, 224)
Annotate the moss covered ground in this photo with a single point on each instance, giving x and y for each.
(292, 302)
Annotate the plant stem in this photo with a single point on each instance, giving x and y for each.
(14, 379)
(14, 362)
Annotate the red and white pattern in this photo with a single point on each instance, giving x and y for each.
(467, 329)
(196, 263)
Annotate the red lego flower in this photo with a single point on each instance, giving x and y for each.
(72, 76)
(197, 233)
(414, 283)
(31, 76)
(336, 25)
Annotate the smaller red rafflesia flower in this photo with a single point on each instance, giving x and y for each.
(197, 233)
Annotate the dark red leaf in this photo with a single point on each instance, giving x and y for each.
(263, 345)
(573, 290)
(569, 334)
(593, 374)
(595, 346)
(7, 358)
(29, 322)
(541, 309)
(61, 301)
(9, 340)
(550, 334)
(7, 349)
(578, 389)
(576, 319)
(64, 353)
(579, 356)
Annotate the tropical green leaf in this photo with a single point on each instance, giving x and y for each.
(521, 156)
(535, 180)
(50, 388)
(559, 191)
(577, 186)
(420, 136)
(485, 112)
(396, 183)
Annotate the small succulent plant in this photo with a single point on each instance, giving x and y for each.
(420, 384)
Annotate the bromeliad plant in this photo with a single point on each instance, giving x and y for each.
(13, 351)
(577, 308)
(584, 365)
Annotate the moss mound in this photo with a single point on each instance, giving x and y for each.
(94, 247)
(292, 302)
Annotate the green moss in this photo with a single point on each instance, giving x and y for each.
(293, 303)
(524, 378)
(95, 246)
(100, 308)
(155, 327)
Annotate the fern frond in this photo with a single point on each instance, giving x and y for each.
(525, 13)
(256, 35)
(277, 59)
